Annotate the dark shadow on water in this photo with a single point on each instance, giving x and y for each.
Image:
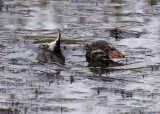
(99, 68)
(106, 67)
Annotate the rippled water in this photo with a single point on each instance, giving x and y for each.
(32, 88)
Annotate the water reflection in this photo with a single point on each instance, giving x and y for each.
(103, 67)
(18, 15)
(87, 21)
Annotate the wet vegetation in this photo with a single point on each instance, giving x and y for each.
(127, 85)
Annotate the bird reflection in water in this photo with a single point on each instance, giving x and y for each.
(105, 67)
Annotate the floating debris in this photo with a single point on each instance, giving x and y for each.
(121, 34)
(1, 5)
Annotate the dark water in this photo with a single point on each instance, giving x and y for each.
(27, 87)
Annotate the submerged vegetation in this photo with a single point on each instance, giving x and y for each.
(63, 41)
(42, 39)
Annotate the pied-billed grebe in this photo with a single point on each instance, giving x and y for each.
(100, 50)
(51, 52)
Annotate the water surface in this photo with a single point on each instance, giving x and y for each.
(29, 87)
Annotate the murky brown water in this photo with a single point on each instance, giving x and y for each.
(27, 87)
